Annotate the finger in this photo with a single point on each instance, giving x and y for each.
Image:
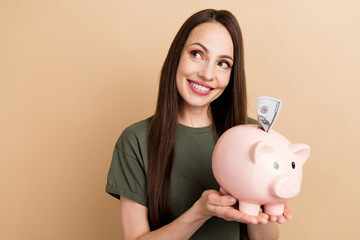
(281, 219)
(248, 219)
(265, 215)
(262, 218)
(273, 218)
(218, 200)
(288, 213)
(232, 214)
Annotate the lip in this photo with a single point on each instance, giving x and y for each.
(197, 91)
(201, 84)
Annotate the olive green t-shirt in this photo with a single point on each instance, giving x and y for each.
(191, 173)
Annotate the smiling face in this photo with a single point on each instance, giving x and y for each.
(205, 65)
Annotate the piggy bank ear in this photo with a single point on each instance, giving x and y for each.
(300, 150)
(259, 149)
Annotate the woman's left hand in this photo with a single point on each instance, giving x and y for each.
(287, 215)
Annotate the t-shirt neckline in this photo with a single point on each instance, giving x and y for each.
(185, 128)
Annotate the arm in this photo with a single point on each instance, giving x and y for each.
(269, 231)
(135, 225)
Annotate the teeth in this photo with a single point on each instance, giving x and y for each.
(201, 88)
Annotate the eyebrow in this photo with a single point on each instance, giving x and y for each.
(207, 50)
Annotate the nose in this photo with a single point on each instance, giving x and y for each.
(207, 72)
(286, 187)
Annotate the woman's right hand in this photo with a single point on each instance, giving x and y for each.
(213, 203)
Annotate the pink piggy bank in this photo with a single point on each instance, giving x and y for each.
(258, 168)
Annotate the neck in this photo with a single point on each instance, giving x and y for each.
(195, 117)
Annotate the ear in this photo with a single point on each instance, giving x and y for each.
(259, 149)
(300, 150)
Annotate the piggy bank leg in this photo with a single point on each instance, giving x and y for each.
(248, 208)
(274, 209)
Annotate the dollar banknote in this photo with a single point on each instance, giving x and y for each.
(268, 110)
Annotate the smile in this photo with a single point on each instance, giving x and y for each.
(199, 89)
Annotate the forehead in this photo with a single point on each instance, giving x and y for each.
(214, 36)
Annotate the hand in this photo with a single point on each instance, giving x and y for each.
(214, 204)
(282, 218)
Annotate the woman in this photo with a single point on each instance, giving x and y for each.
(161, 166)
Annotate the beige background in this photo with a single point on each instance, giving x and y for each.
(74, 73)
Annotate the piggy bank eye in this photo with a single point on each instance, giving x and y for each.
(293, 165)
(276, 165)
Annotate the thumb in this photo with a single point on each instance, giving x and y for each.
(219, 200)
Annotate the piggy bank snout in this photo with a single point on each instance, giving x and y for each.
(286, 187)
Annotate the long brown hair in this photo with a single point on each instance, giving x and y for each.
(227, 110)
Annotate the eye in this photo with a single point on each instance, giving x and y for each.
(224, 64)
(276, 165)
(196, 54)
(293, 165)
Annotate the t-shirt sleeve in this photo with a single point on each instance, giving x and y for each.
(126, 176)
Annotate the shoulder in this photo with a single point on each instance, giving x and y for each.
(135, 134)
(139, 127)
(251, 121)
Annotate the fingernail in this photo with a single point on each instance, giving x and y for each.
(232, 200)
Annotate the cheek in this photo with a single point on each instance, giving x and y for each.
(182, 74)
(186, 67)
(224, 80)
